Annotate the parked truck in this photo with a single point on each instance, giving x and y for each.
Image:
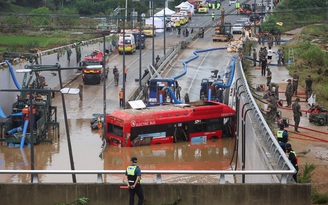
(222, 30)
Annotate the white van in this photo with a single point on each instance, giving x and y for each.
(232, 2)
(130, 43)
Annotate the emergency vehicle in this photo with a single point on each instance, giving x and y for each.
(149, 30)
(129, 45)
(93, 69)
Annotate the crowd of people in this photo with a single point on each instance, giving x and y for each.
(265, 57)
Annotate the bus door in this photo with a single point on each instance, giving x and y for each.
(181, 132)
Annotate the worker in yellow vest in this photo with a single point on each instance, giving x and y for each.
(237, 7)
(218, 5)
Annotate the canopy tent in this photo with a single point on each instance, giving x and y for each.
(185, 6)
(158, 23)
(168, 13)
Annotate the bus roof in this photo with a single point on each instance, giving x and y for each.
(199, 109)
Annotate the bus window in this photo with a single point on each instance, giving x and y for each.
(115, 130)
(140, 131)
(214, 124)
(199, 126)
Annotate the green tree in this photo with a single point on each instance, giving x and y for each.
(40, 16)
(68, 17)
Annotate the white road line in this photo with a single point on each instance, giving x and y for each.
(197, 71)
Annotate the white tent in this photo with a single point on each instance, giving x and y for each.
(185, 6)
(168, 13)
(158, 23)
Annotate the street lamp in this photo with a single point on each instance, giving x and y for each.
(140, 62)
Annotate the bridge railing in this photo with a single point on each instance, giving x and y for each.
(274, 153)
(158, 173)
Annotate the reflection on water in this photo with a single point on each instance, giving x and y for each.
(176, 156)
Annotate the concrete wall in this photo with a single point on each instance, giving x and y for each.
(191, 194)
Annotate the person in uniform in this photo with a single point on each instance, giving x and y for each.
(282, 136)
(270, 112)
(254, 57)
(308, 87)
(295, 82)
(291, 154)
(297, 113)
(121, 98)
(133, 175)
(268, 76)
(289, 93)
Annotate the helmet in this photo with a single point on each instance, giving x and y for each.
(134, 159)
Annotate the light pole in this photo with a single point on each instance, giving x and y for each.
(140, 61)
(153, 43)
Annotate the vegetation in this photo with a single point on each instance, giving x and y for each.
(311, 58)
(79, 201)
(305, 177)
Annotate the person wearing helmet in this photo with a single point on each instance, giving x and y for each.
(291, 154)
(297, 113)
(133, 174)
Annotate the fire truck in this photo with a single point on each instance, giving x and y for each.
(93, 70)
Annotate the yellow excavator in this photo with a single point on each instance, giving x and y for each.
(222, 29)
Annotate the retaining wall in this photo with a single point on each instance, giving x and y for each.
(157, 194)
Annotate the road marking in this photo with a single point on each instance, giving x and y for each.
(197, 71)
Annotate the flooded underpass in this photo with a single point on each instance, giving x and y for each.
(87, 144)
(88, 155)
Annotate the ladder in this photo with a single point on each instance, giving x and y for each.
(290, 56)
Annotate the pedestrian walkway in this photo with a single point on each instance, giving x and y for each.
(280, 75)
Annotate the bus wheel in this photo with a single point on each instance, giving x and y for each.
(214, 138)
(157, 143)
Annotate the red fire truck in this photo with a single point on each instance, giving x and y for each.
(93, 69)
(197, 121)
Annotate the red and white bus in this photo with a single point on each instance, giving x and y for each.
(198, 121)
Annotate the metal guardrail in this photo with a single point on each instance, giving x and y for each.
(100, 173)
(265, 131)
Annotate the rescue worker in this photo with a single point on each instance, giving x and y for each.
(115, 70)
(237, 7)
(133, 175)
(209, 5)
(145, 92)
(187, 98)
(213, 15)
(282, 136)
(218, 5)
(270, 112)
(297, 113)
(282, 55)
(121, 94)
(269, 77)
(308, 87)
(116, 78)
(291, 154)
(264, 65)
(295, 82)
(213, 6)
(276, 89)
(289, 93)
(157, 58)
(254, 57)
(177, 92)
(125, 73)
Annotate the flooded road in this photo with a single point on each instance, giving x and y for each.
(86, 144)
